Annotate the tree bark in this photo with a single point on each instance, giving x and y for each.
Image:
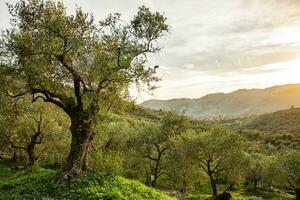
(255, 184)
(15, 157)
(82, 130)
(31, 157)
(184, 186)
(155, 176)
(297, 193)
(34, 140)
(156, 169)
(213, 186)
(81, 139)
(212, 181)
(148, 179)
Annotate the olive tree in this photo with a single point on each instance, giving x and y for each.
(288, 164)
(31, 129)
(77, 64)
(257, 167)
(31, 140)
(181, 168)
(216, 151)
(154, 140)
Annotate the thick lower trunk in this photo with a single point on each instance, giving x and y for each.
(85, 165)
(82, 134)
(77, 159)
(297, 193)
(31, 158)
(213, 186)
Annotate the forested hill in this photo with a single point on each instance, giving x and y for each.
(280, 121)
(240, 102)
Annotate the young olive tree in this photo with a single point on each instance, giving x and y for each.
(289, 166)
(30, 128)
(156, 139)
(77, 64)
(259, 169)
(216, 151)
(181, 168)
(30, 141)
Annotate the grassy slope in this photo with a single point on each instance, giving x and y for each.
(40, 184)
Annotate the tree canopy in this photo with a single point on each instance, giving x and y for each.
(79, 65)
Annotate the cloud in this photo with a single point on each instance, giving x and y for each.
(215, 44)
(232, 35)
(189, 66)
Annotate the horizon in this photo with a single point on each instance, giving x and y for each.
(213, 47)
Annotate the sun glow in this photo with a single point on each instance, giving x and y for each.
(287, 72)
(285, 35)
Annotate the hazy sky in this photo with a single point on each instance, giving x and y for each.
(214, 46)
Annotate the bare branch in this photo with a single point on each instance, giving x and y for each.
(17, 95)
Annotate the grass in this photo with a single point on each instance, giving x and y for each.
(5, 171)
(39, 184)
(203, 192)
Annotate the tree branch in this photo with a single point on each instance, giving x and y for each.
(151, 158)
(16, 95)
(219, 161)
(16, 147)
(76, 78)
(49, 97)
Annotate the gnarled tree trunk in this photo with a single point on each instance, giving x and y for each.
(82, 132)
(35, 139)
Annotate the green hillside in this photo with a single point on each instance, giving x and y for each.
(280, 121)
(40, 184)
(277, 130)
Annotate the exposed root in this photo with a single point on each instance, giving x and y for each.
(67, 176)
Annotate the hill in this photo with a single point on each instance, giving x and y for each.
(277, 130)
(277, 122)
(237, 103)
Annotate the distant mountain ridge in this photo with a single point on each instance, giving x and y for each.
(240, 102)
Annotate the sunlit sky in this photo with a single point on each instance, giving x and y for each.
(214, 46)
